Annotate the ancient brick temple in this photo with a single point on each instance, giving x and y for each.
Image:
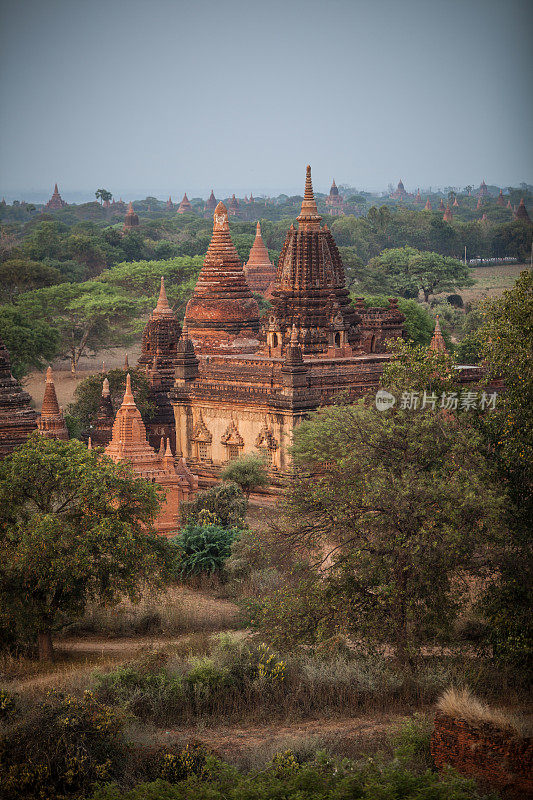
(51, 423)
(334, 201)
(418, 198)
(55, 202)
(102, 429)
(17, 417)
(222, 316)
(169, 204)
(428, 205)
(211, 203)
(483, 191)
(131, 220)
(448, 216)
(521, 212)
(314, 346)
(233, 206)
(159, 357)
(501, 199)
(399, 193)
(128, 443)
(437, 343)
(259, 270)
(185, 207)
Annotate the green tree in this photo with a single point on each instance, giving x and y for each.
(86, 315)
(103, 195)
(203, 548)
(248, 472)
(20, 275)
(400, 504)
(31, 343)
(408, 271)
(222, 504)
(506, 337)
(74, 527)
(44, 241)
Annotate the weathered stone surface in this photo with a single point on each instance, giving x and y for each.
(497, 758)
(17, 418)
(222, 316)
(51, 423)
(310, 289)
(259, 270)
(159, 358)
(129, 444)
(55, 202)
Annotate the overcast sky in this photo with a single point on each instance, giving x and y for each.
(164, 96)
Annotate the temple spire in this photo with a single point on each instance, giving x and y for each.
(437, 344)
(162, 308)
(309, 218)
(128, 395)
(50, 404)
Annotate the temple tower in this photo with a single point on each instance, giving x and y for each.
(222, 316)
(309, 291)
(131, 220)
(159, 356)
(185, 207)
(437, 344)
(170, 204)
(521, 212)
(51, 423)
(483, 191)
(334, 201)
(448, 216)
(428, 205)
(501, 199)
(399, 193)
(17, 417)
(233, 206)
(128, 443)
(55, 202)
(418, 198)
(211, 203)
(259, 271)
(441, 205)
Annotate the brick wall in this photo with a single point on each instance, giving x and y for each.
(498, 758)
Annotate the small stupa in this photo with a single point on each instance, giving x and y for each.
(131, 220)
(185, 207)
(17, 417)
(55, 202)
(437, 344)
(428, 205)
(521, 212)
(448, 216)
(259, 270)
(51, 423)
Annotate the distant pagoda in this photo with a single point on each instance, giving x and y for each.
(105, 416)
(455, 203)
(483, 191)
(400, 193)
(185, 207)
(211, 203)
(442, 207)
(131, 220)
(233, 206)
(334, 201)
(448, 216)
(17, 417)
(56, 201)
(51, 423)
(521, 212)
(501, 199)
(428, 206)
(437, 344)
(170, 204)
(418, 198)
(259, 270)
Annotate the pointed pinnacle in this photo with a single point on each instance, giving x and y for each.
(105, 388)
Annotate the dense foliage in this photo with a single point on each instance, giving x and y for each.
(222, 504)
(74, 527)
(203, 549)
(248, 472)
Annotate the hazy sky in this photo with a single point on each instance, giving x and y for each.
(165, 96)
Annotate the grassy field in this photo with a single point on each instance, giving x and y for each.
(492, 281)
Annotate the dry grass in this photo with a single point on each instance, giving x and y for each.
(492, 281)
(177, 610)
(461, 703)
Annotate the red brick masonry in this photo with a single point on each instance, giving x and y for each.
(499, 758)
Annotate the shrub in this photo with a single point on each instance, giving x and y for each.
(191, 760)
(63, 748)
(8, 706)
(203, 548)
(411, 741)
(225, 501)
(248, 472)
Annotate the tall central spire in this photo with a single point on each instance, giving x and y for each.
(309, 218)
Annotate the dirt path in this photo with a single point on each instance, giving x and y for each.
(230, 740)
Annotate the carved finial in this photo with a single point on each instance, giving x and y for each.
(49, 375)
(128, 396)
(105, 388)
(294, 335)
